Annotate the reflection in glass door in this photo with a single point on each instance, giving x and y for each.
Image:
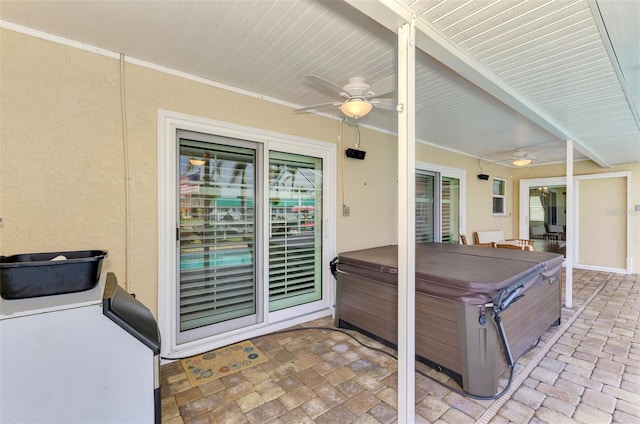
(547, 217)
(218, 290)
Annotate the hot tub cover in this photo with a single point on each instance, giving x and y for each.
(462, 274)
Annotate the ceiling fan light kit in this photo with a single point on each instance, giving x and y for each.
(521, 162)
(197, 162)
(357, 98)
(356, 108)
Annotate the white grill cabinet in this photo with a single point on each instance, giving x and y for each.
(84, 357)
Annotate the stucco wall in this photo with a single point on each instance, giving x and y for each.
(61, 169)
(602, 232)
(62, 162)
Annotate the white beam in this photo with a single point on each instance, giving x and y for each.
(406, 223)
(590, 154)
(571, 230)
(392, 13)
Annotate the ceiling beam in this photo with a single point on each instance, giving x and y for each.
(392, 13)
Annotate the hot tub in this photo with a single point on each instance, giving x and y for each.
(477, 309)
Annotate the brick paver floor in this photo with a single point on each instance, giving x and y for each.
(587, 370)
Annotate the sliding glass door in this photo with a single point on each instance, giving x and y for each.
(246, 227)
(437, 207)
(231, 251)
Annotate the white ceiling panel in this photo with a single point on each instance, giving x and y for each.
(550, 55)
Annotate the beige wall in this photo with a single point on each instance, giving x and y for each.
(370, 191)
(62, 172)
(62, 167)
(602, 240)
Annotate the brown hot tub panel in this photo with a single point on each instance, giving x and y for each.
(455, 288)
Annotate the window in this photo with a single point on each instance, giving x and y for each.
(242, 215)
(499, 196)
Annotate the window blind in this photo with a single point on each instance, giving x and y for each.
(425, 203)
(295, 234)
(217, 233)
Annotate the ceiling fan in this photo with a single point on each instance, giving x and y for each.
(533, 154)
(520, 157)
(358, 97)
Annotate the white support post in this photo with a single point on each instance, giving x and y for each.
(406, 223)
(571, 230)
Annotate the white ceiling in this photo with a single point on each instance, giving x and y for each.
(536, 72)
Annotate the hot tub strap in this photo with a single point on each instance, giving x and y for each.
(503, 339)
(509, 295)
(333, 265)
(505, 298)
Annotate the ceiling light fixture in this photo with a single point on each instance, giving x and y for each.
(521, 162)
(197, 162)
(356, 108)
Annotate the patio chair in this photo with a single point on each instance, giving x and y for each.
(512, 246)
(494, 238)
(463, 241)
(555, 232)
(538, 232)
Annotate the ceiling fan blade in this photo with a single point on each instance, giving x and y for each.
(388, 104)
(318, 106)
(384, 86)
(325, 85)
